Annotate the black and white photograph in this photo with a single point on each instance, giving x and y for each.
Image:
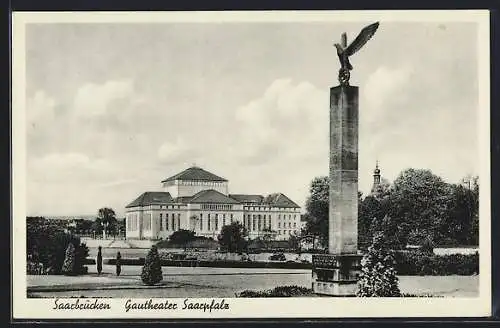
(258, 164)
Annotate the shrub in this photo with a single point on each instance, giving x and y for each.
(378, 276)
(151, 271)
(281, 291)
(420, 295)
(277, 257)
(199, 242)
(232, 237)
(411, 263)
(47, 243)
(427, 246)
(68, 267)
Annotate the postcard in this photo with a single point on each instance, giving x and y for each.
(272, 164)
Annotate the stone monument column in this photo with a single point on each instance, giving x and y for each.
(343, 205)
(336, 273)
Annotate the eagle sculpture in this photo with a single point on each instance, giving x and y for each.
(344, 51)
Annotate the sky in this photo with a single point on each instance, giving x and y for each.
(113, 109)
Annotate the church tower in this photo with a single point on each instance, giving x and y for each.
(376, 178)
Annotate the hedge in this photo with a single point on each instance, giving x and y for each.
(415, 263)
(216, 264)
(410, 263)
(281, 291)
(296, 291)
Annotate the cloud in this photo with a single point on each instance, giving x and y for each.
(116, 183)
(68, 167)
(39, 111)
(264, 129)
(175, 151)
(285, 121)
(382, 88)
(93, 100)
(280, 141)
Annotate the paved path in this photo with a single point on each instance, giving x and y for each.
(218, 282)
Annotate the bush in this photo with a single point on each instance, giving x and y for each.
(411, 263)
(427, 246)
(277, 257)
(68, 267)
(281, 291)
(47, 243)
(151, 271)
(199, 242)
(378, 276)
(232, 238)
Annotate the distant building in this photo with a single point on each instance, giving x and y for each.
(376, 179)
(198, 200)
(380, 185)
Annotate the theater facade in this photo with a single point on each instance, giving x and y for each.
(198, 200)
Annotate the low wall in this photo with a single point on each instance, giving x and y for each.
(455, 250)
(94, 243)
(141, 243)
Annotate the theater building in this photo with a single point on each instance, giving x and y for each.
(198, 200)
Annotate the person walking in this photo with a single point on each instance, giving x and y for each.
(118, 264)
(99, 260)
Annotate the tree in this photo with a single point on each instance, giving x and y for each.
(232, 237)
(97, 227)
(317, 206)
(182, 237)
(474, 232)
(427, 246)
(47, 243)
(107, 217)
(460, 226)
(369, 209)
(378, 276)
(418, 204)
(121, 227)
(294, 242)
(267, 235)
(382, 190)
(151, 271)
(68, 267)
(83, 226)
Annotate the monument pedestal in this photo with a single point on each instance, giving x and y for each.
(336, 275)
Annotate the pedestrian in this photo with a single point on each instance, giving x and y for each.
(118, 263)
(99, 260)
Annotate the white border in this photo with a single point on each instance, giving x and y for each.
(253, 308)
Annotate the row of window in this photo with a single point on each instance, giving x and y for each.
(289, 224)
(170, 222)
(132, 223)
(265, 208)
(257, 222)
(285, 232)
(216, 207)
(285, 216)
(197, 183)
(226, 207)
(212, 222)
(170, 206)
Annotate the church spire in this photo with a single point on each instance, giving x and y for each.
(376, 177)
